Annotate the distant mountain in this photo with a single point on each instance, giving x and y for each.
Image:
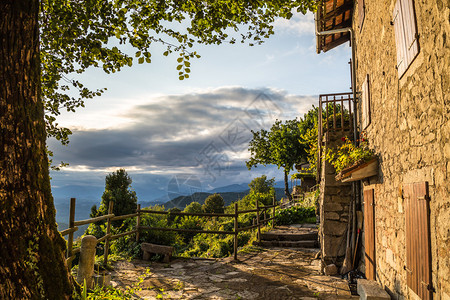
(229, 197)
(78, 191)
(182, 201)
(230, 188)
(280, 184)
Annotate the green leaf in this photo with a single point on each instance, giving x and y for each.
(141, 60)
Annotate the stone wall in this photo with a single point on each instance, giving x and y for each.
(410, 132)
(334, 202)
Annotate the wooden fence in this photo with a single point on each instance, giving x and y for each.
(261, 219)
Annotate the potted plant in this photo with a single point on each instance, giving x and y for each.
(352, 162)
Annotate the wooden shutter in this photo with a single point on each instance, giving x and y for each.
(418, 244)
(409, 22)
(405, 34)
(365, 103)
(369, 234)
(361, 13)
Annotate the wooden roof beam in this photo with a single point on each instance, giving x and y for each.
(338, 11)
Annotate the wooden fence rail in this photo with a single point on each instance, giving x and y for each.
(261, 219)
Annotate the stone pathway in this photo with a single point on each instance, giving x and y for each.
(295, 229)
(276, 273)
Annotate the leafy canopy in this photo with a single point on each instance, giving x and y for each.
(76, 35)
(281, 146)
(118, 190)
(214, 204)
(193, 207)
(262, 185)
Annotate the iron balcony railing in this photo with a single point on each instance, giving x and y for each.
(335, 114)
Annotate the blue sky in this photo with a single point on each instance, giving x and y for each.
(159, 128)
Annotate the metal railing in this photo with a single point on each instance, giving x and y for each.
(335, 114)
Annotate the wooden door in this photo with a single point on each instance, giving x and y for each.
(418, 243)
(369, 234)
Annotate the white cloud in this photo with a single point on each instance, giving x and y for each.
(205, 133)
(299, 24)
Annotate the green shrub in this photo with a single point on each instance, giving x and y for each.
(193, 207)
(295, 215)
(214, 204)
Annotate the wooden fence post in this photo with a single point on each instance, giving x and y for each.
(235, 230)
(138, 222)
(108, 230)
(71, 225)
(273, 210)
(257, 222)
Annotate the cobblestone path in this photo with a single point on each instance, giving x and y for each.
(275, 273)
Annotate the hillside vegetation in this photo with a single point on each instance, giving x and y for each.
(202, 244)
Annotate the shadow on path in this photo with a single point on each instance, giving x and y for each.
(276, 273)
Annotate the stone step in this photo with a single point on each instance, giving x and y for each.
(288, 244)
(288, 237)
(371, 290)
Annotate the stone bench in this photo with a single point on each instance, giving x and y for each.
(371, 290)
(149, 249)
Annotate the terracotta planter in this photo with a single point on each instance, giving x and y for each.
(359, 171)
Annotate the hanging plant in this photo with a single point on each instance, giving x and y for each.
(348, 154)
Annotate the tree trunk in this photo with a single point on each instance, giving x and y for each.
(286, 185)
(32, 263)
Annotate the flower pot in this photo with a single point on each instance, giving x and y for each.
(359, 171)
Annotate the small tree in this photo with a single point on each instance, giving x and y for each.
(214, 204)
(281, 146)
(262, 185)
(117, 189)
(193, 207)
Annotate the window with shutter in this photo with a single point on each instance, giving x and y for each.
(418, 242)
(365, 103)
(406, 37)
(361, 13)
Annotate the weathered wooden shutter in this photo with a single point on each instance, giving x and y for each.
(361, 13)
(365, 103)
(409, 22)
(405, 34)
(418, 244)
(369, 234)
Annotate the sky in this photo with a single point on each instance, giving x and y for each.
(175, 136)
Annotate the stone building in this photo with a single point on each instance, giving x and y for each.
(400, 79)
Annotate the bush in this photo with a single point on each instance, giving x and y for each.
(190, 222)
(214, 204)
(295, 215)
(193, 208)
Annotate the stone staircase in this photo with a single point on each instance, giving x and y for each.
(293, 236)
